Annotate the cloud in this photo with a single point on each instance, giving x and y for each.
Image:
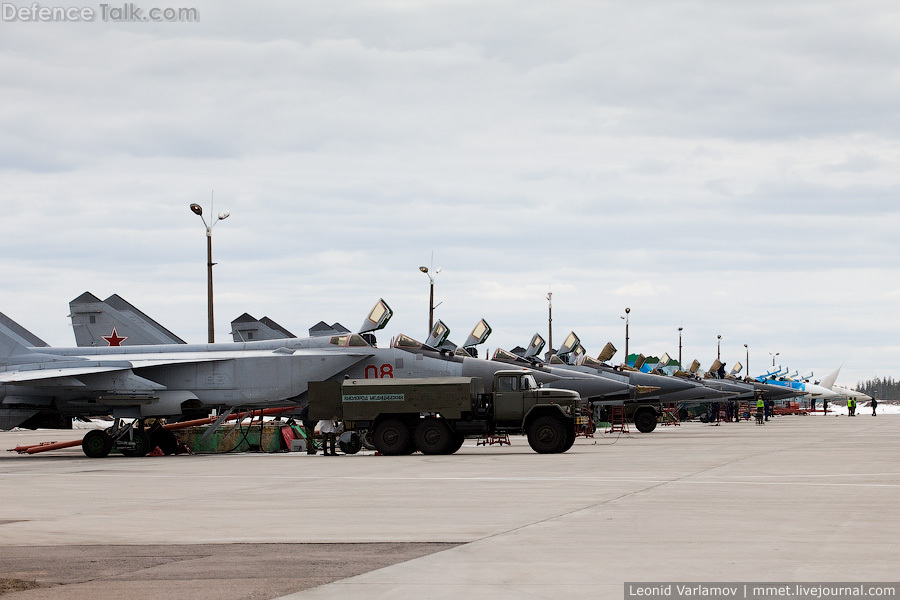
(642, 289)
(729, 168)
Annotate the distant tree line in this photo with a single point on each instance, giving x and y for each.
(883, 389)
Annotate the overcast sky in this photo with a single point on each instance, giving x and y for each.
(727, 167)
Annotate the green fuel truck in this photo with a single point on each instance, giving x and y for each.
(434, 415)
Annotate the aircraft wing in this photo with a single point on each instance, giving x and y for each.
(338, 360)
(21, 376)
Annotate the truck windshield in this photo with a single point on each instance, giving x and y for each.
(528, 382)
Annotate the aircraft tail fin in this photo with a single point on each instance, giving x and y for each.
(114, 322)
(828, 381)
(15, 339)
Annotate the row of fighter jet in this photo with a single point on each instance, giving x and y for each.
(128, 365)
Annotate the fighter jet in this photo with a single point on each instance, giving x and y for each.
(650, 389)
(779, 377)
(848, 393)
(135, 382)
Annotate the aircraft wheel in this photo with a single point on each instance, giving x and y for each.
(433, 436)
(392, 438)
(547, 435)
(645, 421)
(166, 441)
(141, 445)
(96, 444)
(350, 442)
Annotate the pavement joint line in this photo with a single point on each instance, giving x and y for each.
(794, 483)
(826, 475)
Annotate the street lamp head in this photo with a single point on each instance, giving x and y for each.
(745, 345)
(424, 269)
(197, 210)
(681, 329)
(719, 336)
(627, 310)
(224, 215)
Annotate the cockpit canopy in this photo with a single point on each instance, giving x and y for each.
(350, 340)
(407, 343)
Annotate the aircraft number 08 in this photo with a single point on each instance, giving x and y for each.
(386, 371)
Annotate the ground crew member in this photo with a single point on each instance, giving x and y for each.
(309, 428)
(760, 407)
(851, 406)
(874, 405)
(328, 429)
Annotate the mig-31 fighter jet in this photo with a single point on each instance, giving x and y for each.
(650, 390)
(38, 382)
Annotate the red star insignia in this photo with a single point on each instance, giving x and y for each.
(114, 339)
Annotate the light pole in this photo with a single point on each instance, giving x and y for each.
(679, 347)
(431, 305)
(719, 348)
(550, 321)
(747, 372)
(773, 357)
(627, 310)
(197, 210)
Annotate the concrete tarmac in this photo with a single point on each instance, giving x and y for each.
(811, 499)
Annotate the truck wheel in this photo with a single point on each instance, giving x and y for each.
(547, 435)
(392, 438)
(433, 436)
(366, 438)
(96, 444)
(456, 444)
(645, 421)
(570, 438)
(350, 442)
